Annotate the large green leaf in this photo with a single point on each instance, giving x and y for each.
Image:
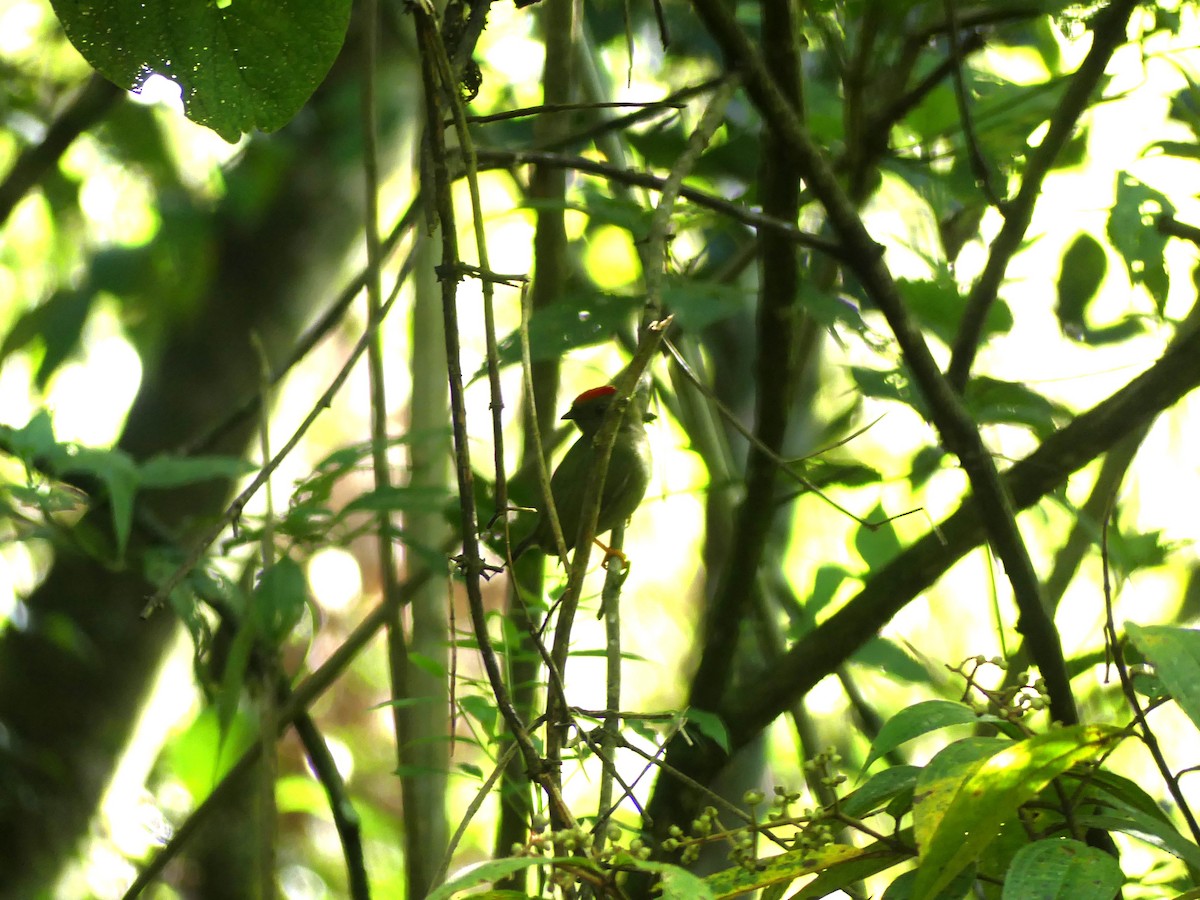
(994, 793)
(1062, 870)
(1175, 653)
(242, 64)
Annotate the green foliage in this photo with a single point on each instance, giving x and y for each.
(933, 146)
(1175, 653)
(242, 65)
(111, 477)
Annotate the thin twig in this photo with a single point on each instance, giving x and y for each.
(1108, 33)
(979, 165)
(543, 108)
(471, 563)
(957, 430)
(492, 158)
(1116, 650)
(234, 511)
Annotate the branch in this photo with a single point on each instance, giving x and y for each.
(778, 320)
(1108, 34)
(508, 158)
(954, 425)
(915, 570)
(89, 106)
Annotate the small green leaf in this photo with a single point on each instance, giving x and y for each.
(877, 545)
(576, 320)
(398, 498)
(878, 790)
(991, 400)
(482, 711)
(426, 664)
(891, 384)
(918, 719)
(710, 725)
(115, 470)
(279, 599)
(1150, 829)
(56, 324)
(1133, 235)
(888, 657)
(938, 307)
(34, 442)
(470, 769)
(1084, 265)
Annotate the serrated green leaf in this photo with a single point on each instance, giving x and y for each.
(251, 64)
(35, 442)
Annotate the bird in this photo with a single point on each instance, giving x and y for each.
(624, 484)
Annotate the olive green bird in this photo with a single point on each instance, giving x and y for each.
(624, 484)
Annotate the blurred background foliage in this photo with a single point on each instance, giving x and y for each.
(159, 279)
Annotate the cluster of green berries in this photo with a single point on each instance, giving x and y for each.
(1014, 702)
(701, 832)
(579, 841)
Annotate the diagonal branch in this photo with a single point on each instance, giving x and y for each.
(1108, 34)
(954, 425)
(916, 569)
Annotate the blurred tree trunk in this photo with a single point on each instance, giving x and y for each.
(73, 679)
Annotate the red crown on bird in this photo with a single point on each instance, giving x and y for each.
(587, 396)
